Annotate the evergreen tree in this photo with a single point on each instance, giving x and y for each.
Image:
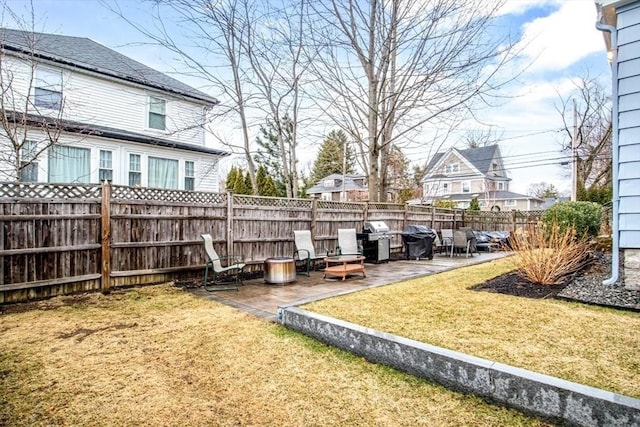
(231, 179)
(247, 183)
(239, 186)
(270, 156)
(266, 185)
(474, 205)
(330, 157)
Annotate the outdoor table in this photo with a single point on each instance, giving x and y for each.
(343, 265)
(279, 270)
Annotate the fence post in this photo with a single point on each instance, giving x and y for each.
(515, 221)
(405, 218)
(105, 211)
(314, 218)
(230, 223)
(433, 217)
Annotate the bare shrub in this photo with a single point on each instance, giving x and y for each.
(548, 254)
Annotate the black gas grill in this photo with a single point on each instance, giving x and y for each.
(375, 241)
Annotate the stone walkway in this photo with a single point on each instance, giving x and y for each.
(261, 299)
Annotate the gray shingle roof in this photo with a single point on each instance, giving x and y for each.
(86, 54)
(349, 184)
(480, 157)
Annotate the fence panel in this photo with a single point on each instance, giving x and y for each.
(57, 239)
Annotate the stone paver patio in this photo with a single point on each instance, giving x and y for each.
(262, 299)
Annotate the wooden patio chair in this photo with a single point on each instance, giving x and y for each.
(224, 278)
(305, 251)
(347, 242)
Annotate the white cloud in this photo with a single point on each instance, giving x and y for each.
(557, 41)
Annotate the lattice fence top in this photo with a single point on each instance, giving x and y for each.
(386, 206)
(327, 204)
(244, 200)
(49, 191)
(156, 194)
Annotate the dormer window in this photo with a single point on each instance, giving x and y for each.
(452, 168)
(327, 183)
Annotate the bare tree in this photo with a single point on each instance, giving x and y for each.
(31, 102)
(249, 52)
(481, 138)
(398, 65)
(592, 131)
(542, 190)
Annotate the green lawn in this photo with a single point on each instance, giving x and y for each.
(582, 343)
(158, 356)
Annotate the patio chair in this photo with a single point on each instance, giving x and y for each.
(224, 278)
(348, 242)
(305, 251)
(447, 239)
(439, 246)
(461, 242)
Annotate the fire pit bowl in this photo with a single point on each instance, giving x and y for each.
(279, 270)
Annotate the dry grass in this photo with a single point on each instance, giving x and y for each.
(585, 344)
(158, 356)
(546, 256)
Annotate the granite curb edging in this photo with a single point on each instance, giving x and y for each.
(537, 394)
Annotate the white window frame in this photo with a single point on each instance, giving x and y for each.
(500, 186)
(47, 88)
(28, 165)
(105, 166)
(329, 183)
(452, 168)
(468, 185)
(510, 202)
(189, 175)
(136, 172)
(154, 102)
(446, 188)
(166, 160)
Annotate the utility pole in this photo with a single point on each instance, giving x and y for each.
(343, 194)
(574, 154)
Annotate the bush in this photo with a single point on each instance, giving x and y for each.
(583, 217)
(546, 256)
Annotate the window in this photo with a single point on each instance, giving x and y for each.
(452, 168)
(328, 183)
(501, 186)
(48, 88)
(28, 165)
(163, 173)
(157, 113)
(135, 172)
(189, 175)
(466, 186)
(445, 188)
(509, 202)
(463, 205)
(69, 164)
(105, 173)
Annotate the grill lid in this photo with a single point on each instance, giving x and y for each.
(376, 226)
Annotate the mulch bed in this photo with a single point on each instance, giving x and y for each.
(583, 286)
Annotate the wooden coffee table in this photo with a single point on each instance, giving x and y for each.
(343, 265)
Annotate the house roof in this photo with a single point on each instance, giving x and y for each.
(85, 54)
(350, 184)
(109, 133)
(481, 157)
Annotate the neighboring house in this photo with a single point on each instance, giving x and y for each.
(336, 187)
(461, 175)
(620, 21)
(111, 118)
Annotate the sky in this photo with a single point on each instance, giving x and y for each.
(560, 43)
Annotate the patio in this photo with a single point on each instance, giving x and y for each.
(262, 299)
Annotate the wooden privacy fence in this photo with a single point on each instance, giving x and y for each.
(60, 239)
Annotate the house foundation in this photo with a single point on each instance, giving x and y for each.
(631, 264)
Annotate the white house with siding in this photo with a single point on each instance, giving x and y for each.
(110, 117)
(620, 22)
